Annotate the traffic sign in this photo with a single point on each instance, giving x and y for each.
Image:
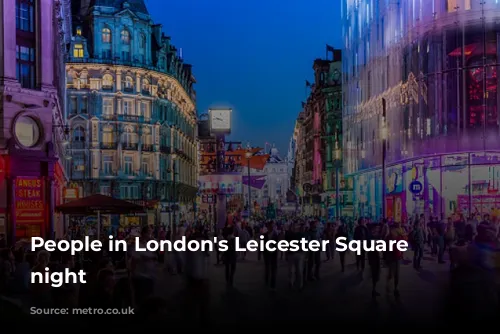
(416, 187)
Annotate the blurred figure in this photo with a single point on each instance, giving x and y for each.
(361, 233)
(270, 257)
(393, 258)
(143, 268)
(295, 259)
(229, 257)
(198, 289)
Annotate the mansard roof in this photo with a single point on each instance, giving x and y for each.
(136, 6)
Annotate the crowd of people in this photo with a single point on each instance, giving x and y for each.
(120, 279)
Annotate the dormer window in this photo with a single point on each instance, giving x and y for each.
(78, 51)
(106, 35)
(78, 31)
(125, 35)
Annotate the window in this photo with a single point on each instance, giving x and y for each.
(125, 55)
(25, 66)
(73, 105)
(145, 85)
(107, 164)
(78, 51)
(129, 192)
(25, 15)
(107, 107)
(107, 81)
(129, 83)
(125, 37)
(128, 107)
(85, 104)
(84, 79)
(129, 137)
(106, 36)
(145, 166)
(106, 190)
(79, 134)
(145, 110)
(107, 135)
(106, 54)
(128, 165)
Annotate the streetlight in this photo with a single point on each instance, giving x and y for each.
(174, 197)
(383, 136)
(337, 181)
(248, 156)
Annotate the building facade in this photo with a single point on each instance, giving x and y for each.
(319, 134)
(131, 106)
(32, 134)
(421, 98)
(277, 181)
(337, 196)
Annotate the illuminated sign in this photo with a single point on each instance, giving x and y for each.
(28, 203)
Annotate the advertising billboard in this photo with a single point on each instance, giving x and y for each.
(226, 184)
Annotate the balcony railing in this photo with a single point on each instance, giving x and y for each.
(109, 146)
(147, 147)
(128, 89)
(108, 117)
(133, 118)
(130, 146)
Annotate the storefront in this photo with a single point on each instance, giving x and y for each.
(439, 186)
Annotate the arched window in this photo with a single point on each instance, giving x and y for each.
(145, 85)
(129, 83)
(79, 134)
(84, 79)
(106, 35)
(107, 81)
(125, 37)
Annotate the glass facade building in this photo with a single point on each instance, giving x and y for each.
(435, 64)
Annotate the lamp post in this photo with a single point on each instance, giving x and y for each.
(337, 181)
(174, 197)
(383, 136)
(248, 156)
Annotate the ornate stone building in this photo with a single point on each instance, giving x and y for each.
(131, 107)
(32, 131)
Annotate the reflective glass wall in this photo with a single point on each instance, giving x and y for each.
(435, 62)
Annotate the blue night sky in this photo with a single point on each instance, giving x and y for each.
(253, 56)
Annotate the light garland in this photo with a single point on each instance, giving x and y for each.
(403, 93)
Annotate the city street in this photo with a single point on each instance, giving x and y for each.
(336, 297)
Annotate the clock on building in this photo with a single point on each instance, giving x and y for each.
(27, 131)
(220, 120)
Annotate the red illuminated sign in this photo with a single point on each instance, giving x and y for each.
(28, 201)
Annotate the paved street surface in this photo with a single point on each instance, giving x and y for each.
(336, 298)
